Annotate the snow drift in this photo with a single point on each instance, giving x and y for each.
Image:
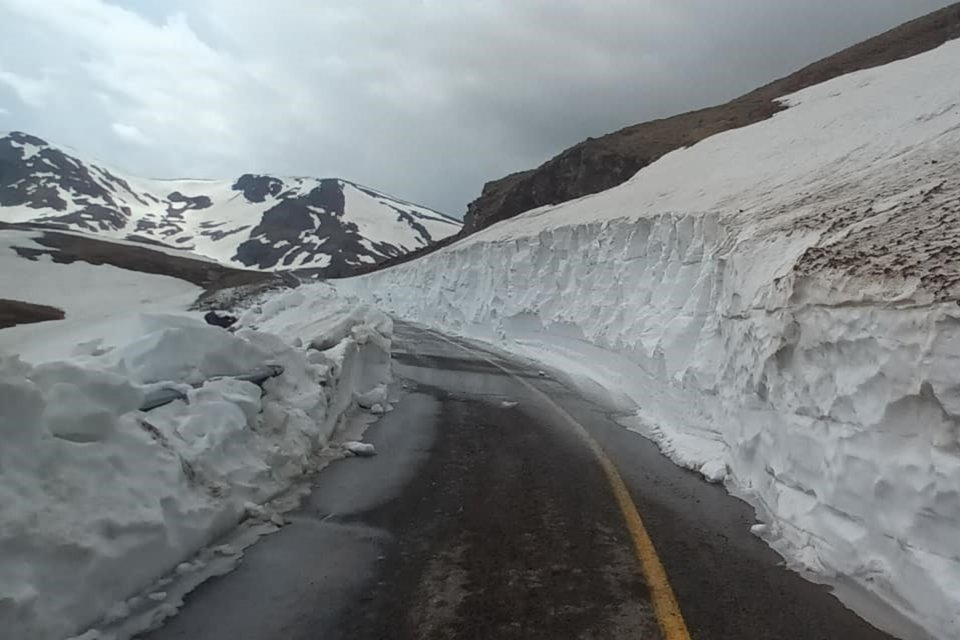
(99, 499)
(779, 305)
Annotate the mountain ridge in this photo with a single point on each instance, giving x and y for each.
(256, 221)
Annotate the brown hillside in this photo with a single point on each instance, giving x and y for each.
(597, 164)
(66, 248)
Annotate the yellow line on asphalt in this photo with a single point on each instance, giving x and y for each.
(665, 605)
(664, 601)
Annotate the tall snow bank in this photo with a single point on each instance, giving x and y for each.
(98, 499)
(779, 303)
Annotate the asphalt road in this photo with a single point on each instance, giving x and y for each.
(484, 519)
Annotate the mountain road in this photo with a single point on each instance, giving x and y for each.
(493, 511)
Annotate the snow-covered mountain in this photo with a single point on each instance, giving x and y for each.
(777, 307)
(256, 221)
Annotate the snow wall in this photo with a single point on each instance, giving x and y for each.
(778, 305)
(98, 499)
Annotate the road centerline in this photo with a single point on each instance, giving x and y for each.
(666, 608)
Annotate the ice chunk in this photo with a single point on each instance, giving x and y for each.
(714, 470)
(359, 448)
(226, 550)
(377, 395)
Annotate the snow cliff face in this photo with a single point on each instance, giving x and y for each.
(107, 499)
(779, 306)
(257, 221)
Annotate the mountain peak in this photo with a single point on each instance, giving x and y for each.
(25, 138)
(257, 221)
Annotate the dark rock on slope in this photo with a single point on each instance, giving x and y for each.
(329, 226)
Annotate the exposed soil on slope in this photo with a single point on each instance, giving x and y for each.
(14, 312)
(67, 248)
(910, 237)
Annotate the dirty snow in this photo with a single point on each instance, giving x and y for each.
(776, 306)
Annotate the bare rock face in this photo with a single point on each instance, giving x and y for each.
(597, 164)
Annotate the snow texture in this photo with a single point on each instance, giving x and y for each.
(363, 449)
(777, 305)
(89, 294)
(100, 500)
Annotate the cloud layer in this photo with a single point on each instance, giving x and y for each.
(425, 99)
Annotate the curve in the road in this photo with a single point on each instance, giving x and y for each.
(666, 607)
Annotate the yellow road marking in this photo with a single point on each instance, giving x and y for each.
(665, 605)
(664, 601)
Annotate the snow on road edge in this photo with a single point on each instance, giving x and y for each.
(101, 499)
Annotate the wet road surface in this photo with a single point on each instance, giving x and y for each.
(481, 518)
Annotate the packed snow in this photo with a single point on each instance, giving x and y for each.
(101, 500)
(362, 449)
(777, 306)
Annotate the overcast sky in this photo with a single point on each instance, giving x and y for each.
(424, 99)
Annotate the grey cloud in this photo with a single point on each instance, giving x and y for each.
(426, 99)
